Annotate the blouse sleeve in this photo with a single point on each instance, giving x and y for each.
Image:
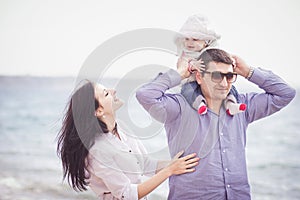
(150, 164)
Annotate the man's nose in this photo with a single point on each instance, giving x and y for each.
(224, 82)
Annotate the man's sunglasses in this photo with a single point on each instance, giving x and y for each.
(218, 77)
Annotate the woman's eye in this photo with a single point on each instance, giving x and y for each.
(105, 93)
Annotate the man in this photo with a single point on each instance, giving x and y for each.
(218, 138)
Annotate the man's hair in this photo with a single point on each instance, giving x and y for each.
(215, 55)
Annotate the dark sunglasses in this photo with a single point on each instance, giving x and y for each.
(218, 77)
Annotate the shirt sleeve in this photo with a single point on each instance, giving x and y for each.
(277, 95)
(104, 167)
(153, 97)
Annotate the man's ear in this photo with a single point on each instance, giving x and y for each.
(199, 77)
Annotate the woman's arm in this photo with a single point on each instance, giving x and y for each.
(174, 167)
(102, 164)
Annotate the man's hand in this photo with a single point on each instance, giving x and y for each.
(182, 67)
(241, 68)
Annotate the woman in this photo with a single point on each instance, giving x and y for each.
(95, 153)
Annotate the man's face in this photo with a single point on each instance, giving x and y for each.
(211, 90)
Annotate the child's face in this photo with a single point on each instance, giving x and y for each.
(193, 44)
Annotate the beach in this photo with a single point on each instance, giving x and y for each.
(30, 118)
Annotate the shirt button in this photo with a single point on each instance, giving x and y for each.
(221, 134)
(224, 151)
(226, 169)
(129, 150)
(228, 186)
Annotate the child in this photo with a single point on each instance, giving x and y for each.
(194, 37)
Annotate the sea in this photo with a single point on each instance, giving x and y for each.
(31, 110)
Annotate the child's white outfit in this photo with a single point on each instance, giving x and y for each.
(197, 27)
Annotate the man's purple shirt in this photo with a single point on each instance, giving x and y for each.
(219, 140)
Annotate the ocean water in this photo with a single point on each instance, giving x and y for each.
(30, 117)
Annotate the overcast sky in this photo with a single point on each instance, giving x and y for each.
(54, 38)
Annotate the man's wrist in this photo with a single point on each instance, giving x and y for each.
(250, 73)
(181, 74)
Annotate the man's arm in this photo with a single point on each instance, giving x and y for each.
(152, 96)
(278, 93)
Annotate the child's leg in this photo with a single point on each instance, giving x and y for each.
(235, 93)
(192, 93)
(231, 105)
(200, 105)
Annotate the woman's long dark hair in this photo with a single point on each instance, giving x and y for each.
(79, 129)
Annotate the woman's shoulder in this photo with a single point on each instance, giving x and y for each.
(102, 144)
(102, 151)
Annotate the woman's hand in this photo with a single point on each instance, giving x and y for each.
(176, 166)
(184, 164)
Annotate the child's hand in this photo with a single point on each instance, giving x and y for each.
(196, 66)
(184, 164)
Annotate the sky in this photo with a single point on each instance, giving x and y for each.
(54, 38)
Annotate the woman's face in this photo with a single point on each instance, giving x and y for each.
(107, 99)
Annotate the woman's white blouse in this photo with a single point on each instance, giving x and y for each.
(115, 166)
